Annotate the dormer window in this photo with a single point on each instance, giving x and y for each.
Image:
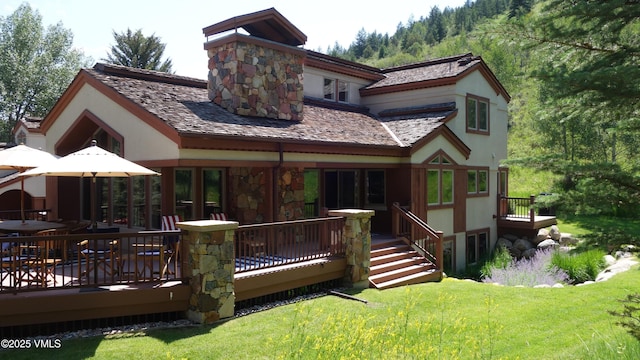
(21, 138)
(336, 90)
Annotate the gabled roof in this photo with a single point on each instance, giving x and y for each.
(31, 123)
(266, 24)
(187, 109)
(437, 72)
(180, 107)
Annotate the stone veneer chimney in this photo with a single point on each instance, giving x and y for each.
(256, 77)
(259, 74)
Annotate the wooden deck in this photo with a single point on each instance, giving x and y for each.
(60, 305)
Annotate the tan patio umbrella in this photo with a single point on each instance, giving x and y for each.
(92, 161)
(22, 158)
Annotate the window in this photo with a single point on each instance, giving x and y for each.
(375, 187)
(212, 185)
(21, 138)
(339, 87)
(329, 89)
(440, 182)
(477, 182)
(477, 114)
(184, 193)
(477, 246)
(341, 189)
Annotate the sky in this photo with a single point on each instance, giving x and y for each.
(179, 24)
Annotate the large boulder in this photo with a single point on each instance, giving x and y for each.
(510, 237)
(554, 233)
(522, 244)
(547, 244)
(543, 234)
(567, 239)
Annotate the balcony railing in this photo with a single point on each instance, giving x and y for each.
(521, 208)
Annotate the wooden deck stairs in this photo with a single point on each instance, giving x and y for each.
(395, 263)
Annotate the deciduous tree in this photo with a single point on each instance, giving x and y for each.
(36, 66)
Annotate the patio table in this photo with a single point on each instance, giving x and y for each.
(29, 227)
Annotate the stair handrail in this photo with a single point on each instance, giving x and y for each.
(416, 223)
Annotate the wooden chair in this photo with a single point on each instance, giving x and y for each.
(171, 244)
(98, 260)
(41, 257)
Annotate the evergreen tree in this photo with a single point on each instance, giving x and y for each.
(133, 49)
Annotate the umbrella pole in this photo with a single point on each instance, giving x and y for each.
(22, 198)
(94, 224)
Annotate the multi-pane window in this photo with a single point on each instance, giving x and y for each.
(440, 182)
(477, 114)
(336, 90)
(477, 182)
(477, 246)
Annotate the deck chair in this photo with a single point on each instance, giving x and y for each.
(42, 256)
(106, 260)
(172, 243)
(166, 255)
(218, 216)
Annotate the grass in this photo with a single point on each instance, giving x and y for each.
(453, 319)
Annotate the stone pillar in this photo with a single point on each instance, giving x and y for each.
(357, 240)
(210, 268)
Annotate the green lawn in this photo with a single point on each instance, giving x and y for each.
(447, 320)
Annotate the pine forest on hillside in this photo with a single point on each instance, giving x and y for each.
(572, 70)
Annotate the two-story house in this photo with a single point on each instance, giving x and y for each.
(279, 133)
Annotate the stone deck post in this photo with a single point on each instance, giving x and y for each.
(211, 267)
(357, 240)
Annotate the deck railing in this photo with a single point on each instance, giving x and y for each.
(35, 263)
(268, 245)
(522, 208)
(31, 263)
(422, 236)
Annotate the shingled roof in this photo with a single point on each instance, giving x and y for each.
(183, 104)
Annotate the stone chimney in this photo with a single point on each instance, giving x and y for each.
(259, 74)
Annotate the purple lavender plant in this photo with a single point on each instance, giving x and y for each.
(529, 272)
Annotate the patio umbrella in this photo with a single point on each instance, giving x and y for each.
(92, 161)
(22, 158)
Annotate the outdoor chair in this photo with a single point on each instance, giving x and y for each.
(171, 243)
(219, 216)
(98, 261)
(41, 257)
(164, 253)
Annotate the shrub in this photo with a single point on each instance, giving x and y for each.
(580, 267)
(528, 272)
(500, 260)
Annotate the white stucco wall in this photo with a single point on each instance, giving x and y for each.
(141, 141)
